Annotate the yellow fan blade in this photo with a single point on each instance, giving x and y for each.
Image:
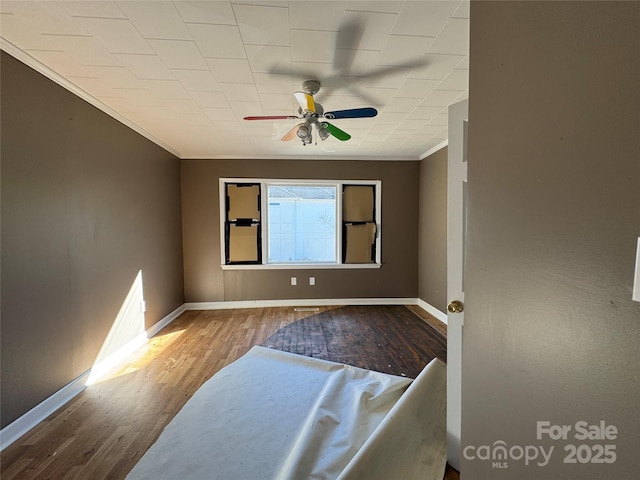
(306, 102)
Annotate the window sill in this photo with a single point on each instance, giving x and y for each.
(306, 266)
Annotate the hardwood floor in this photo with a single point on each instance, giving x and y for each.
(104, 431)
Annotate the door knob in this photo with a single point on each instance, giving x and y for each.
(456, 306)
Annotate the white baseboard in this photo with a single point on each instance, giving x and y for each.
(26, 422)
(37, 414)
(156, 327)
(305, 302)
(432, 310)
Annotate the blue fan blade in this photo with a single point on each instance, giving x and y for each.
(352, 113)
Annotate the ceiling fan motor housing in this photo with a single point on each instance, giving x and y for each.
(311, 86)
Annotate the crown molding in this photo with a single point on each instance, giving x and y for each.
(433, 150)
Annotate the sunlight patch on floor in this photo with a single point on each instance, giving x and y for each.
(138, 357)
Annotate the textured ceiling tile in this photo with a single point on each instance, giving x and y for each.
(269, 58)
(404, 50)
(92, 9)
(423, 17)
(197, 80)
(374, 29)
(115, 76)
(456, 80)
(230, 70)
(264, 3)
(440, 98)
(263, 25)
(390, 118)
(375, 6)
(183, 106)
(216, 13)
(166, 89)
(431, 129)
(22, 34)
(404, 105)
(301, 71)
(464, 64)
(146, 67)
(218, 41)
(244, 108)
(312, 46)
(416, 88)
(179, 54)
(273, 83)
(245, 92)
(436, 67)
(156, 19)
(210, 99)
(463, 10)
(354, 62)
(118, 36)
(386, 78)
(84, 50)
(310, 16)
(44, 17)
(424, 113)
(411, 124)
(454, 38)
(219, 114)
(277, 102)
(441, 119)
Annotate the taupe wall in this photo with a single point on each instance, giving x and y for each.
(206, 282)
(551, 333)
(432, 236)
(86, 204)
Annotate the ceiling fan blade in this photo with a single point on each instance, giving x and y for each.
(291, 134)
(352, 113)
(306, 102)
(336, 132)
(272, 117)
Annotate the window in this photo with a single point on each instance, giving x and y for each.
(300, 223)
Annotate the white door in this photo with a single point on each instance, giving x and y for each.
(456, 234)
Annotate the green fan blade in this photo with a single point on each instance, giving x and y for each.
(336, 132)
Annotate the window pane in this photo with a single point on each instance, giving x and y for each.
(302, 223)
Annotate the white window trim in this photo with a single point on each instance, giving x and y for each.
(264, 182)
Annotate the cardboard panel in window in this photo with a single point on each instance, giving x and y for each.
(358, 203)
(243, 202)
(243, 243)
(359, 242)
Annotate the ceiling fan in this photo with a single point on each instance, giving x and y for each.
(314, 117)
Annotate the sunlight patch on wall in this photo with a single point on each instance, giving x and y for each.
(127, 332)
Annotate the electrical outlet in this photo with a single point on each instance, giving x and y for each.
(312, 280)
(294, 281)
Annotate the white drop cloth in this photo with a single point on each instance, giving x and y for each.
(276, 415)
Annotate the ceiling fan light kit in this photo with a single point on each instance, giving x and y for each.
(311, 112)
